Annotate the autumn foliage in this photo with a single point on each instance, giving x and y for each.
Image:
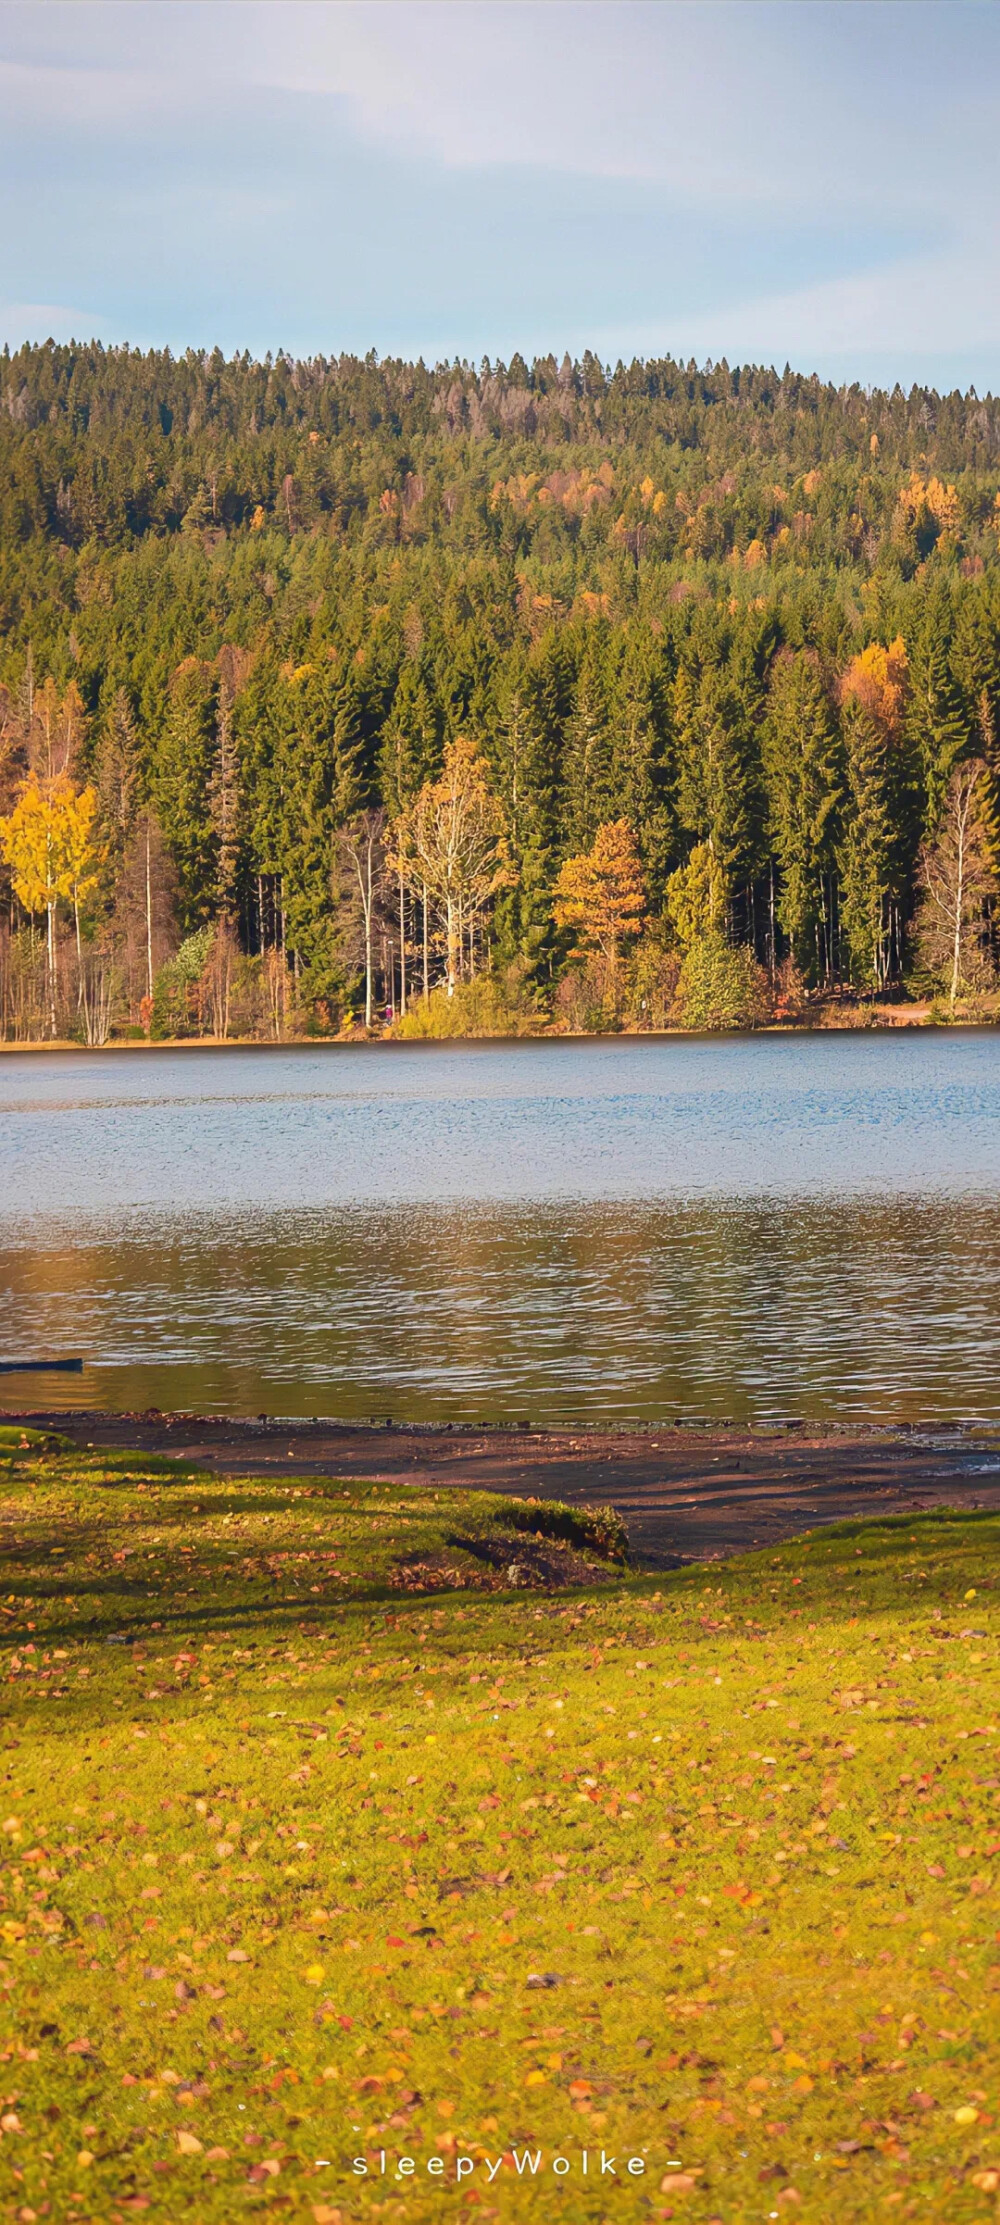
(878, 680)
(602, 895)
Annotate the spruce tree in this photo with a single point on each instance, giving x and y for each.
(182, 782)
(866, 851)
(939, 727)
(804, 776)
(118, 778)
(587, 761)
(720, 791)
(643, 771)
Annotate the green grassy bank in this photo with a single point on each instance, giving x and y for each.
(359, 1822)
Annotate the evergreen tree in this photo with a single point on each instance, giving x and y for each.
(413, 737)
(866, 852)
(587, 763)
(643, 776)
(526, 756)
(803, 769)
(182, 782)
(721, 798)
(118, 779)
(939, 726)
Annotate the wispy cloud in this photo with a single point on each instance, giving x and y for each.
(453, 176)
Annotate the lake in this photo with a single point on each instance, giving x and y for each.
(753, 1228)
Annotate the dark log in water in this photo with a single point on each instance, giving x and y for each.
(41, 1367)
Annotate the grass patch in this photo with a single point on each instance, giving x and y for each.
(327, 1837)
(14, 1439)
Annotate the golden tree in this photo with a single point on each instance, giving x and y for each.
(451, 841)
(602, 894)
(697, 897)
(879, 680)
(48, 844)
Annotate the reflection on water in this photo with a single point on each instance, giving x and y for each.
(745, 1229)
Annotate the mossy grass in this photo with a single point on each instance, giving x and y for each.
(355, 1821)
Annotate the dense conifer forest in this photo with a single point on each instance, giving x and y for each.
(343, 690)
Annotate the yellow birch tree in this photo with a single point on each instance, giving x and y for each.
(47, 843)
(451, 841)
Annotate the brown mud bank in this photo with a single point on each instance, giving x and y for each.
(684, 1492)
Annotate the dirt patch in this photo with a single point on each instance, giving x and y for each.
(512, 1563)
(683, 1492)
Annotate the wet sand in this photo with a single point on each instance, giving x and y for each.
(685, 1493)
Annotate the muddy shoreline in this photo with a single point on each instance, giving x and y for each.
(685, 1492)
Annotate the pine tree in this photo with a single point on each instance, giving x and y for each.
(938, 723)
(118, 771)
(866, 852)
(721, 797)
(525, 751)
(225, 786)
(804, 773)
(182, 785)
(976, 665)
(643, 776)
(587, 773)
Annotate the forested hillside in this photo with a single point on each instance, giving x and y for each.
(597, 697)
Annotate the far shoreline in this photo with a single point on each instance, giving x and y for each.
(890, 1020)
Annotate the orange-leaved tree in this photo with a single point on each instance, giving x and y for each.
(602, 894)
(878, 679)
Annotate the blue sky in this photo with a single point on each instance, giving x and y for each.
(811, 180)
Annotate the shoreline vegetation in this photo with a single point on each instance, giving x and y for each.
(342, 695)
(860, 1017)
(347, 1826)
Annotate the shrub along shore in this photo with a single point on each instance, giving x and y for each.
(349, 1827)
(444, 1022)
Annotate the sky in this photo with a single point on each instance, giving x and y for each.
(762, 180)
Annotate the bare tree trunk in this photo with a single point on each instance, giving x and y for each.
(402, 948)
(427, 990)
(956, 968)
(149, 918)
(50, 912)
(452, 939)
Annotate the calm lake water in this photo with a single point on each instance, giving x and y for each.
(754, 1228)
